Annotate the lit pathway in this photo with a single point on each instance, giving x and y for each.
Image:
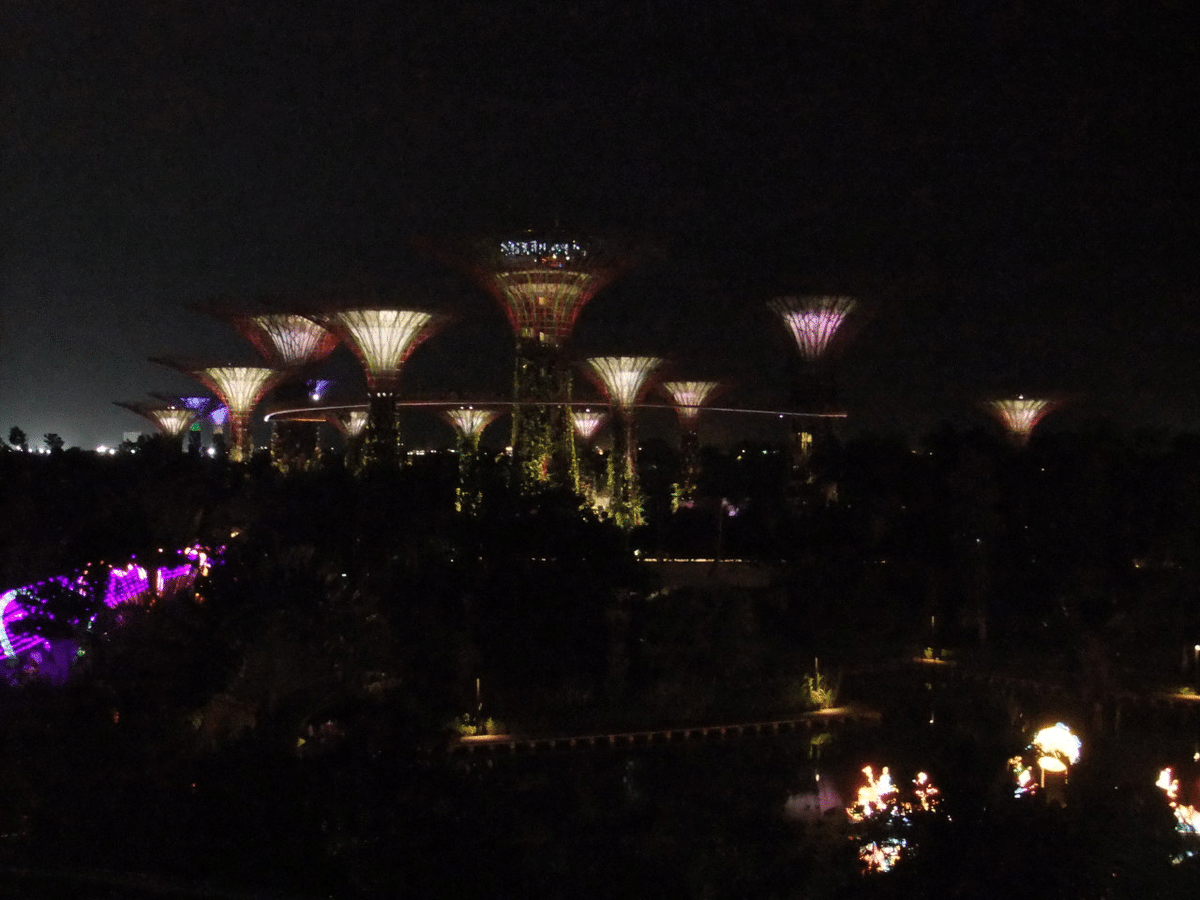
(819, 721)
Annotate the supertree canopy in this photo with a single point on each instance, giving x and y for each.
(688, 397)
(172, 421)
(587, 422)
(624, 380)
(382, 338)
(469, 425)
(285, 340)
(813, 321)
(201, 406)
(352, 424)
(1020, 415)
(239, 388)
(543, 281)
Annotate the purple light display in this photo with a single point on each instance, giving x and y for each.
(130, 584)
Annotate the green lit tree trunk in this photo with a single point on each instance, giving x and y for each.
(625, 503)
(542, 441)
(469, 496)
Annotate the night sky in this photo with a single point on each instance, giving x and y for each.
(1013, 192)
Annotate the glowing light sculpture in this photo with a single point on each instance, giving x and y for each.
(543, 282)
(688, 397)
(239, 388)
(468, 426)
(1021, 415)
(624, 380)
(815, 322)
(288, 341)
(171, 421)
(382, 338)
(201, 406)
(587, 423)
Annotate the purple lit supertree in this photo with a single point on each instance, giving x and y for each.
(468, 426)
(688, 397)
(382, 338)
(815, 323)
(624, 380)
(1020, 415)
(543, 281)
(172, 421)
(217, 417)
(239, 388)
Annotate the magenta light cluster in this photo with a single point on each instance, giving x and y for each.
(130, 584)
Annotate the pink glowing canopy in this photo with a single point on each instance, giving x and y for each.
(587, 422)
(813, 321)
(1022, 414)
(287, 340)
(689, 396)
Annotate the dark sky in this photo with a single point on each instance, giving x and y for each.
(1012, 191)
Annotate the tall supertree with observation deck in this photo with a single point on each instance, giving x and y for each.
(469, 425)
(239, 388)
(172, 420)
(816, 324)
(624, 380)
(543, 282)
(688, 397)
(1020, 415)
(383, 338)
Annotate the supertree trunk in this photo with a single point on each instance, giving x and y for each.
(381, 441)
(625, 503)
(542, 434)
(469, 496)
(689, 470)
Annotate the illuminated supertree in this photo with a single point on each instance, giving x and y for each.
(468, 426)
(240, 388)
(382, 338)
(624, 380)
(200, 406)
(353, 426)
(587, 423)
(172, 421)
(688, 397)
(1020, 415)
(286, 340)
(217, 418)
(543, 282)
(291, 342)
(814, 323)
